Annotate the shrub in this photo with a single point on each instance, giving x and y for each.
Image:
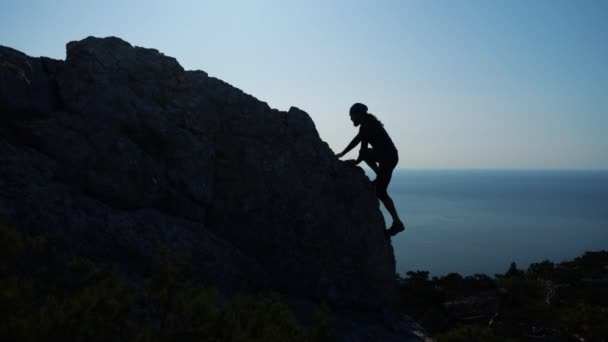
(43, 297)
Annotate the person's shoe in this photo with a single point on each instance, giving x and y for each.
(396, 228)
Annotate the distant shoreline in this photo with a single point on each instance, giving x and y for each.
(546, 301)
(476, 221)
(506, 268)
(502, 169)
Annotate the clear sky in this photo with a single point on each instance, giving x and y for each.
(458, 84)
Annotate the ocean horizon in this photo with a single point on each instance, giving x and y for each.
(472, 221)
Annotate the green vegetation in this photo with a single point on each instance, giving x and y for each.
(547, 302)
(468, 333)
(45, 297)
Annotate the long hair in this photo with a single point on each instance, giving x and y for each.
(373, 117)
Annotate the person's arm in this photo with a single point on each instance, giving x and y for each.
(365, 132)
(353, 143)
(362, 151)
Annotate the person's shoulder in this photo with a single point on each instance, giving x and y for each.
(372, 121)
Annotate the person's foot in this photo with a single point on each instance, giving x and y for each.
(396, 228)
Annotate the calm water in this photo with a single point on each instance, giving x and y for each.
(480, 221)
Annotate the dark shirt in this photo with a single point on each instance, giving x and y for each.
(372, 132)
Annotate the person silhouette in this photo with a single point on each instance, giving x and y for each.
(382, 157)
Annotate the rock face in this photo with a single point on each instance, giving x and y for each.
(118, 149)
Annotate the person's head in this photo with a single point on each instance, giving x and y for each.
(357, 113)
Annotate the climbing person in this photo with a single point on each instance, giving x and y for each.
(382, 157)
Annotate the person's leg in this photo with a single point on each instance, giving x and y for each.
(384, 177)
(369, 157)
(388, 204)
(373, 165)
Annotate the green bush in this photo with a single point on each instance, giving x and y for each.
(42, 298)
(522, 290)
(590, 321)
(255, 319)
(470, 333)
(45, 298)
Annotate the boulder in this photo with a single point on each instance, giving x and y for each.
(118, 149)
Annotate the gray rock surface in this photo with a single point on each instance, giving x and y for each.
(118, 149)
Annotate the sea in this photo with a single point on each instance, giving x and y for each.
(480, 221)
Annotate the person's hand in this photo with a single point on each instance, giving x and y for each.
(350, 162)
(339, 155)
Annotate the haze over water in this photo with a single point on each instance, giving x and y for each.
(479, 221)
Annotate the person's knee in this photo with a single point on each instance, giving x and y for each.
(381, 192)
(369, 161)
(368, 154)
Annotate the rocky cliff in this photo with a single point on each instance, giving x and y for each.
(118, 149)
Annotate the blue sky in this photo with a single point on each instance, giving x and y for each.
(458, 84)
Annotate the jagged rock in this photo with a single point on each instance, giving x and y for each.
(25, 88)
(118, 149)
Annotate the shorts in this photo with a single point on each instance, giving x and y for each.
(386, 165)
